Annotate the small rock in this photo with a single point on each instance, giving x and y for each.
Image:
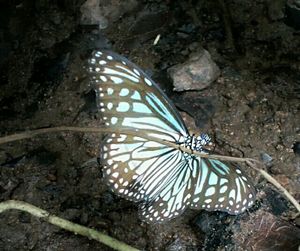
(102, 13)
(266, 159)
(92, 14)
(195, 74)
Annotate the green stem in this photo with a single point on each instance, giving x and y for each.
(65, 224)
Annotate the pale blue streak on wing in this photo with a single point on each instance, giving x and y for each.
(173, 198)
(160, 108)
(219, 166)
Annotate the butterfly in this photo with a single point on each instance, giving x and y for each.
(163, 179)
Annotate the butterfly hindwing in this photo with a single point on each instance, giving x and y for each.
(174, 198)
(221, 186)
(136, 168)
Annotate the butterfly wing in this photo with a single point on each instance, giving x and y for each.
(136, 168)
(146, 171)
(129, 100)
(221, 186)
(163, 178)
(201, 183)
(174, 198)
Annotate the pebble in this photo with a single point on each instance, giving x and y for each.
(196, 73)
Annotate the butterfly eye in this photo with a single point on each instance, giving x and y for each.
(164, 180)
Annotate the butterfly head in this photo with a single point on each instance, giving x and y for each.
(197, 143)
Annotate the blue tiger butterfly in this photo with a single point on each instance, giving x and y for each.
(163, 179)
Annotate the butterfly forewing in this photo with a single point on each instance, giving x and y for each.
(129, 99)
(163, 179)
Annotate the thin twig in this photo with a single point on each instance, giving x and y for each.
(65, 224)
(269, 178)
(249, 161)
(33, 133)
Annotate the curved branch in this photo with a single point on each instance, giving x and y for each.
(65, 224)
(33, 133)
(249, 161)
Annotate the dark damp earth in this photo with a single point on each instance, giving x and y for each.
(252, 110)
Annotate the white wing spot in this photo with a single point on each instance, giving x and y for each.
(210, 191)
(232, 194)
(109, 57)
(124, 92)
(213, 179)
(123, 107)
(110, 105)
(114, 120)
(208, 201)
(102, 62)
(223, 189)
(221, 199)
(196, 200)
(97, 69)
(136, 95)
(103, 78)
(116, 80)
(110, 91)
(122, 138)
(148, 82)
(136, 72)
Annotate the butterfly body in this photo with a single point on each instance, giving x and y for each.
(163, 179)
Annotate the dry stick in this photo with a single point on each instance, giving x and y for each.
(33, 133)
(249, 161)
(65, 224)
(276, 184)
